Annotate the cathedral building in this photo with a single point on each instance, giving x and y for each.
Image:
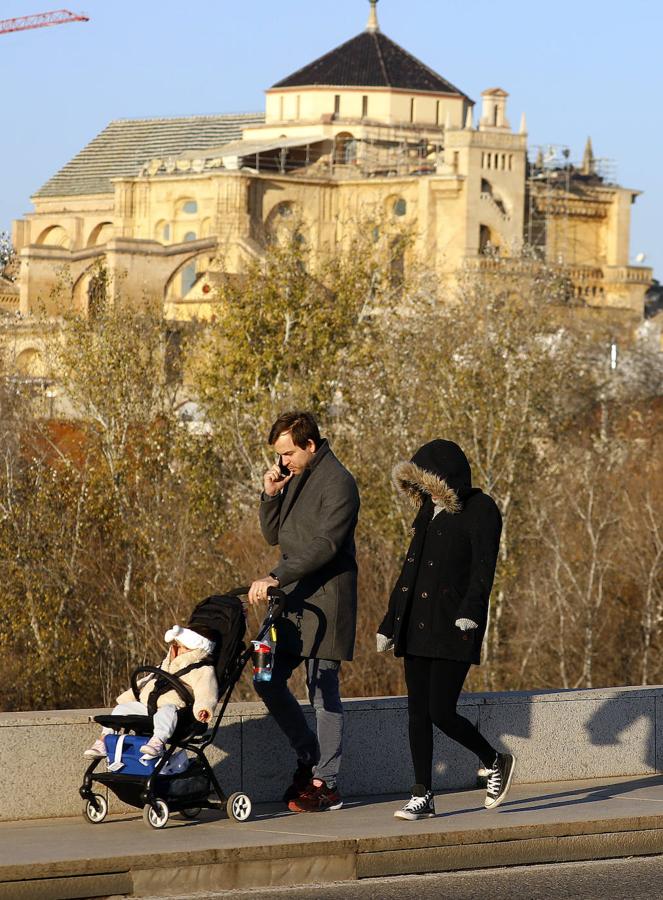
(365, 133)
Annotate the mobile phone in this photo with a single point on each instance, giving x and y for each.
(285, 471)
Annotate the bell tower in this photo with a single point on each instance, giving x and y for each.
(493, 110)
(491, 159)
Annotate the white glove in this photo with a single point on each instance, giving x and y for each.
(383, 643)
(466, 624)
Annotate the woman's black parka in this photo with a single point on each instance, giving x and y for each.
(450, 565)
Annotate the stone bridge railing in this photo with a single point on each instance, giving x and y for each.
(556, 736)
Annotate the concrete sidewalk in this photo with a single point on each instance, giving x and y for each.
(561, 821)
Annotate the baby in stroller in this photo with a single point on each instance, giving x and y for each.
(190, 658)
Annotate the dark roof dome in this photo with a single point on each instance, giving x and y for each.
(370, 59)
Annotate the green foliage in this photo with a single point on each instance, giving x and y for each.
(104, 536)
(285, 331)
(118, 516)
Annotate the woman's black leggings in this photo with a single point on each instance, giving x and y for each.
(433, 688)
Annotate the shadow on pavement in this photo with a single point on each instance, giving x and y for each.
(579, 796)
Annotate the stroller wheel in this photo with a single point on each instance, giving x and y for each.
(156, 818)
(239, 807)
(95, 809)
(192, 813)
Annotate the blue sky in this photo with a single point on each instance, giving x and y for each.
(587, 67)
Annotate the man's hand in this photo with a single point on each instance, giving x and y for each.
(258, 590)
(383, 643)
(274, 480)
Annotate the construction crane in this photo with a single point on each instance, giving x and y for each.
(41, 20)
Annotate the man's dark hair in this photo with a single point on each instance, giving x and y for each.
(301, 425)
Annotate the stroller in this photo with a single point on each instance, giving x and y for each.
(196, 788)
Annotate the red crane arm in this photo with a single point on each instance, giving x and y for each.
(41, 20)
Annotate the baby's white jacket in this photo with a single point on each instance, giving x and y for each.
(202, 682)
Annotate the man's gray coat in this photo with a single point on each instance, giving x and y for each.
(313, 521)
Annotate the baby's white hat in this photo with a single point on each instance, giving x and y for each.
(188, 638)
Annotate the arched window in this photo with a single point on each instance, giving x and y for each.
(283, 210)
(29, 363)
(96, 294)
(345, 148)
(188, 278)
(55, 236)
(400, 207)
(282, 222)
(162, 231)
(190, 236)
(100, 234)
(489, 240)
(190, 207)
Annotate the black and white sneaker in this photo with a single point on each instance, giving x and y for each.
(421, 805)
(499, 779)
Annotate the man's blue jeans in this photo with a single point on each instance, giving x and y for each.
(323, 750)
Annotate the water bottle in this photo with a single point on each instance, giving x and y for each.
(263, 660)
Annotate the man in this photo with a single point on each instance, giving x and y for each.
(309, 506)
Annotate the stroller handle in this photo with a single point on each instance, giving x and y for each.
(275, 595)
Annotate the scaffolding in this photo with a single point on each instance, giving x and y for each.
(555, 186)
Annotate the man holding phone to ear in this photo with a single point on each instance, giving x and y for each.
(309, 507)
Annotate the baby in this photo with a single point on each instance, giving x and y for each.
(190, 653)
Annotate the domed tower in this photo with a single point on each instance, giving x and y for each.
(364, 87)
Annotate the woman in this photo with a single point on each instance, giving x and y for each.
(438, 612)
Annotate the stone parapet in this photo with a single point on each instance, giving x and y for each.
(555, 736)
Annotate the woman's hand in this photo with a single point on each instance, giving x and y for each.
(203, 715)
(383, 643)
(466, 624)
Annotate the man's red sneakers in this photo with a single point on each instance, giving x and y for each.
(317, 798)
(301, 782)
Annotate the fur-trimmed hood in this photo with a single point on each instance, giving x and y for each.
(438, 469)
(414, 483)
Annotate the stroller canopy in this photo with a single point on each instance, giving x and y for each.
(223, 614)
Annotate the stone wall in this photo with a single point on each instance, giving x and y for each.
(556, 736)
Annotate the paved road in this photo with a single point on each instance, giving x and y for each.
(624, 879)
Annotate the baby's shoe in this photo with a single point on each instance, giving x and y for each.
(97, 750)
(154, 747)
